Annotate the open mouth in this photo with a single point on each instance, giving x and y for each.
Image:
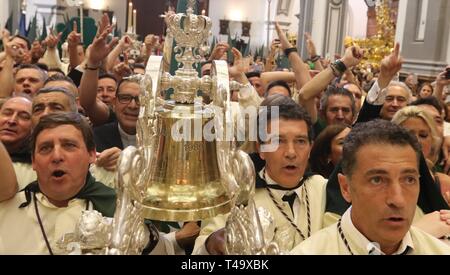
(58, 174)
(290, 167)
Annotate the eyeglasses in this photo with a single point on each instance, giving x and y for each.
(126, 99)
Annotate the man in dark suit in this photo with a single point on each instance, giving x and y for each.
(121, 133)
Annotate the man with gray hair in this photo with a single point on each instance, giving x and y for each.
(386, 97)
(50, 100)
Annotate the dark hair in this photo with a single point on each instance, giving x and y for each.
(59, 77)
(375, 132)
(69, 94)
(334, 91)
(275, 83)
(34, 67)
(253, 74)
(54, 120)
(23, 38)
(123, 81)
(43, 66)
(430, 100)
(107, 75)
(288, 109)
(321, 150)
(56, 70)
(138, 66)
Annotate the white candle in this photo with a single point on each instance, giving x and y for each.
(130, 17)
(134, 21)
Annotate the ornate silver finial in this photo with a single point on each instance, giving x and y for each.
(250, 231)
(190, 32)
(190, 7)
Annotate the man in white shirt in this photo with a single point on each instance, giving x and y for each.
(294, 197)
(38, 216)
(381, 180)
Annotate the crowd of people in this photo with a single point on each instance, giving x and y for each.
(362, 165)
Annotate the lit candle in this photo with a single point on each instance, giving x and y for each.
(24, 7)
(130, 17)
(134, 21)
(203, 12)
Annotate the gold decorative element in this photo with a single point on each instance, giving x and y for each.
(380, 45)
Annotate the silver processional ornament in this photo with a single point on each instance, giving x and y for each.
(179, 175)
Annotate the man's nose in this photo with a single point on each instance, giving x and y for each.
(133, 103)
(13, 119)
(57, 154)
(394, 195)
(290, 151)
(395, 102)
(46, 111)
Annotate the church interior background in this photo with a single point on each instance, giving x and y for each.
(421, 26)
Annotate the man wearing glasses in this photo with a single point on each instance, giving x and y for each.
(121, 133)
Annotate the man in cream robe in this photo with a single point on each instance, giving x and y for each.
(280, 174)
(383, 197)
(38, 216)
(329, 242)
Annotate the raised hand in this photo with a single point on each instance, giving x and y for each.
(74, 38)
(352, 56)
(167, 15)
(284, 42)
(99, 49)
(37, 50)
(392, 64)
(12, 49)
(52, 40)
(125, 43)
(219, 50)
(441, 79)
(123, 69)
(310, 46)
(239, 67)
(150, 40)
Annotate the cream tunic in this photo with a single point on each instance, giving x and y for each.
(329, 242)
(316, 192)
(20, 232)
